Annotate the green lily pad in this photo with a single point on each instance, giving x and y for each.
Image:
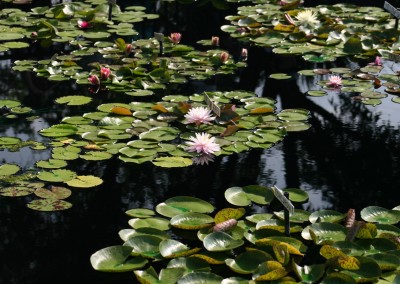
(326, 216)
(85, 181)
(55, 192)
(74, 100)
(140, 212)
(309, 273)
(59, 130)
(49, 204)
(182, 204)
(380, 215)
(200, 277)
(9, 141)
(172, 162)
(144, 245)
(15, 191)
(327, 233)
(56, 175)
(247, 262)
(221, 241)
(152, 222)
(51, 164)
(280, 76)
(369, 270)
(236, 196)
(191, 221)
(297, 194)
(259, 194)
(116, 259)
(8, 169)
(125, 234)
(299, 216)
(317, 93)
(171, 248)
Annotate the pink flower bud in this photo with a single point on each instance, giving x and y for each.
(175, 38)
(378, 61)
(94, 80)
(224, 56)
(34, 34)
(215, 41)
(83, 24)
(244, 53)
(128, 48)
(104, 73)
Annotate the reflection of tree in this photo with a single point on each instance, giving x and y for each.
(344, 154)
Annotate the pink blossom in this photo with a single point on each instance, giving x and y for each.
(202, 143)
(83, 24)
(128, 48)
(104, 73)
(175, 38)
(94, 80)
(377, 62)
(334, 81)
(203, 159)
(224, 56)
(199, 115)
(244, 53)
(215, 41)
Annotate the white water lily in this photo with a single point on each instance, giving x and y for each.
(199, 115)
(202, 143)
(307, 18)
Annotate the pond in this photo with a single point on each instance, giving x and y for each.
(349, 157)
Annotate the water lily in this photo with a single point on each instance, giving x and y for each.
(334, 81)
(377, 62)
(215, 41)
(244, 53)
(104, 73)
(175, 38)
(202, 143)
(307, 18)
(128, 48)
(83, 24)
(94, 80)
(199, 115)
(203, 159)
(224, 56)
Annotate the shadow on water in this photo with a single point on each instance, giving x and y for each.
(349, 158)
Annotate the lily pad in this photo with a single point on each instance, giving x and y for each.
(54, 192)
(221, 241)
(380, 215)
(56, 175)
(85, 181)
(8, 169)
(49, 204)
(74, 100)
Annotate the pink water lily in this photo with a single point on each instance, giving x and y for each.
(83, 24)
(175, 38)
(104, 73)
(244, 53)
(199, 115)
(215, 41)
(202, 143)
(94, 80)
(224, 56)
(377, 62)
(334, 81)
(128, 48)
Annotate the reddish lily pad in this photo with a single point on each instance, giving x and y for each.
(49, 205)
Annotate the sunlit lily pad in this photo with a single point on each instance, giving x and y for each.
(317, 93)
(269, 270)
(140, 212)
(51, 164)
(171, 249)
(191, 221)
(296, 194)
(247, 262)
(9, 140)
(198, 277)
(15, 191)
(85, 181)
(74, 100)
(125, 234)
(56, 175)
(326, 216)
(327, 233)
(144, 245)
(59, 130)
(54, 192)
(280, 76)
(309, 273)
(221, 241)
(182, 204)
(116, 259)
(172, 162)
(152, 222)
(236, 196)
(49, 204)
(380, 215)
(8, 169)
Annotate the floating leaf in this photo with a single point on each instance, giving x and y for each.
(116, 259)
(172, 249)
(181, 204)
(140, 212)
(152, 222)
(85, 181)
(221, 241)
(236, 196)
(200, 277)
(247, 262)
(172, 162)
(326, 216)
(51, 164)
(380, 215)
(74, 100)
(191, 221)
(296, 194)
(229, 213)
(269, 270)
(49, 204)
(57, 175)
(15, 191)
(55, 192)
(121, 110)
(8, 169)
(59, 130)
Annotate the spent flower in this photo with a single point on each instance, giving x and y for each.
(199, 115)
(202, 143)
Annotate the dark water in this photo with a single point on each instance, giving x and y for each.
(349, 158)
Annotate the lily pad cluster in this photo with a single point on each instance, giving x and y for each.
(158, 132)
(368, 84)
(322, 33)
(186, 240)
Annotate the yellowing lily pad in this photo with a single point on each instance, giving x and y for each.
(85, 181)
(49, 205)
